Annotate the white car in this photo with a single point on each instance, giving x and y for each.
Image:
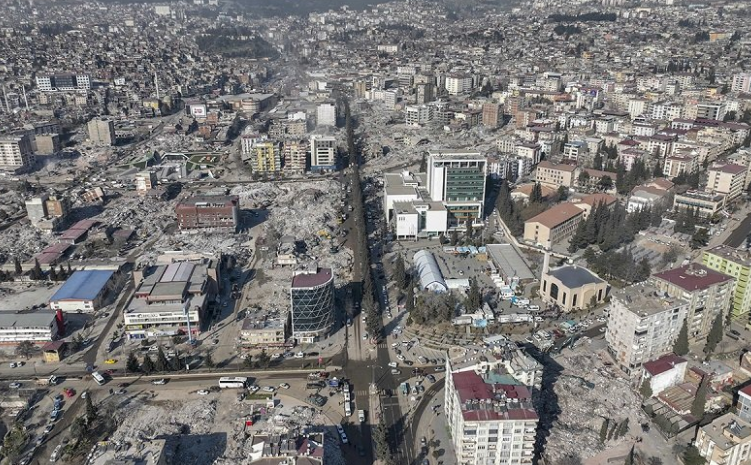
(401, 357)
(14, 385)
(268, 389)
(392, 364)
(253, 389)
(203, 392)
(299, 355)
(159, 382)
(284, 386)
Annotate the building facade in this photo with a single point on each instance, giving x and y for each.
(101, 131)
(16, 153)
(217, 213)
(457, 178)
(552, 175)
(322, 153)
(312, 305)
(736, 263)
(37, 327)
(572, 287)
(554, 225)
(642, 325)
(266, 157)
(728, 180)
(725, 441)
(296, 156)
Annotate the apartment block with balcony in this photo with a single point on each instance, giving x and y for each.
(643, 325)
(708, 293)
(552, 175)
(736, 263)
(725, 441)
(728, 180)
(491, 421)
(706, 204)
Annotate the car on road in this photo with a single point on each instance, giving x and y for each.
(284, 386)
(361, 416)
(159, 382)
(734, 332)
(215, 342)
(268, 389)
(55, 414)
(154, 349)
(253, 389)
(202, 392)
(394, 371)
(14, 385)
(401, 357)
(110, 361)
(13, 364)
(393, 364)
(409, 363)
(299, 355)
(423, 441)
(431, 378)
(439, 369)
(48, 429)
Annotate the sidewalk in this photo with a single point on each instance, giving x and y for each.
(432, 426)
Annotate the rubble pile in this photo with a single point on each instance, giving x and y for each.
(23, 241)
(587, 392)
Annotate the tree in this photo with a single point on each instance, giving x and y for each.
(61, 274)
(91, 411)
(596, 162)
(161, 363)
(474, 297)
(643, 271)
(469, 231)
(148, 365)
(584, 177)
(14, 441)
(381, 441)
(700, 400)
(691, 456)
(25, 349)
(606, 183)
(657, 171)
(423, 164)
(680, 347)
(36, 272)
(264, 360)
(132, 364)
(52, 274)
(454, 237)
(646, 389)
(536, 195)
(409, 300)
(699, 239)
(715, 335)
(562, 193)
(208, 361)
(248, 362)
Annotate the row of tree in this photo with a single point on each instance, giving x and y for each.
(609, 227)
(618, 265)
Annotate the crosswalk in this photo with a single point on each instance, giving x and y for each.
(361, 392)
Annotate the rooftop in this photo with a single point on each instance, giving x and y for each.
(312, 279)
(573, 276)
(83, 285)
(727, 431)
(693, 277)
(738, 256)
(507, 258)
(594, 199)
(562, 166)
(556, 215)
(663, 364)
(40, 319)
(645, 299)
(730, 169)
(482, 401)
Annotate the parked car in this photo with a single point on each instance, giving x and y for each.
(202, 392)
(159, 382)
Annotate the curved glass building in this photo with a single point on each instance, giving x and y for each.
(312, 305)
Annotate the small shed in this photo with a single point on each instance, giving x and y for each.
(53, 351)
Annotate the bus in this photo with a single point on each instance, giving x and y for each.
(227, 382)
(98, 378)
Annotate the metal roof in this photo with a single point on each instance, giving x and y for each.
(574, 276)
(83, 285)
(430, 274)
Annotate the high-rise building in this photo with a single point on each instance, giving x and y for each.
(215, 212)
(322, 153)
(643, 325)
(728, 180)
(418, 115)
(711, 110)
(492, 115)
(16, 153)
(266, 157)
(741, 83)
(458, 83)
(490, 415)
(312, 304)
(708, 293)
(735, 263)
(326, 114)
(424, 92)
(63, 82)
(296, 156)
(101, 131)
(457, 178)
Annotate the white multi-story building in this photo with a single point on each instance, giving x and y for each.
(63, 82)
(37, 327)
(458, 83)
(326, 114)
(490, 420)
(725, 441)
(711, 110)
(16, 153)
(457, 178)
(741, 83)
(322, 153)
(728, 180)
(418, 115)
(642, 325)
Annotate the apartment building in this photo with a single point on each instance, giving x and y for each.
(555, 175)
(728, 180)
(266, 157)
(36, 327)
(264, 332)
(741, 83)
(322, 153)
(554, 225)
(491, 420)
(744, 403)
(677, 164)
(15, 153)
(215, 212)
(706, 204)
(418, 115)
(708, 293)
(458, 83)
(736, 263)
(642, 325)
(457, 179)
(492, 115)
(711, 110)
(296, 156)
(101, 131)
(725, 441)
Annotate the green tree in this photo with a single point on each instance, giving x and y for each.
(715, 335)
(400, 273)
(643, 270)
(409, 300)
(536, 195)
(423, 164)
(148, 365)
(646, 389)
(691, 456)
(264, 359)
(473, 302)
(36, 272)
(680, 347)
(381, 442)
(14, 441)
(92, 412)
(606, 183)
(208, 361)
(700, 400)
(17, 265)
(162, 364)
(132, 364)
(583, 177)
(248, 362)
(52, 274)
(454, 237)
(25, 349)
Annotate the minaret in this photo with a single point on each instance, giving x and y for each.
(546, 260)
(156, 83)
(25, 100)
(5, 97)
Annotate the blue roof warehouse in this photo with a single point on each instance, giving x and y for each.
(84, 291)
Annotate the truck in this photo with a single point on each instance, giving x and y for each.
(404, 387)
